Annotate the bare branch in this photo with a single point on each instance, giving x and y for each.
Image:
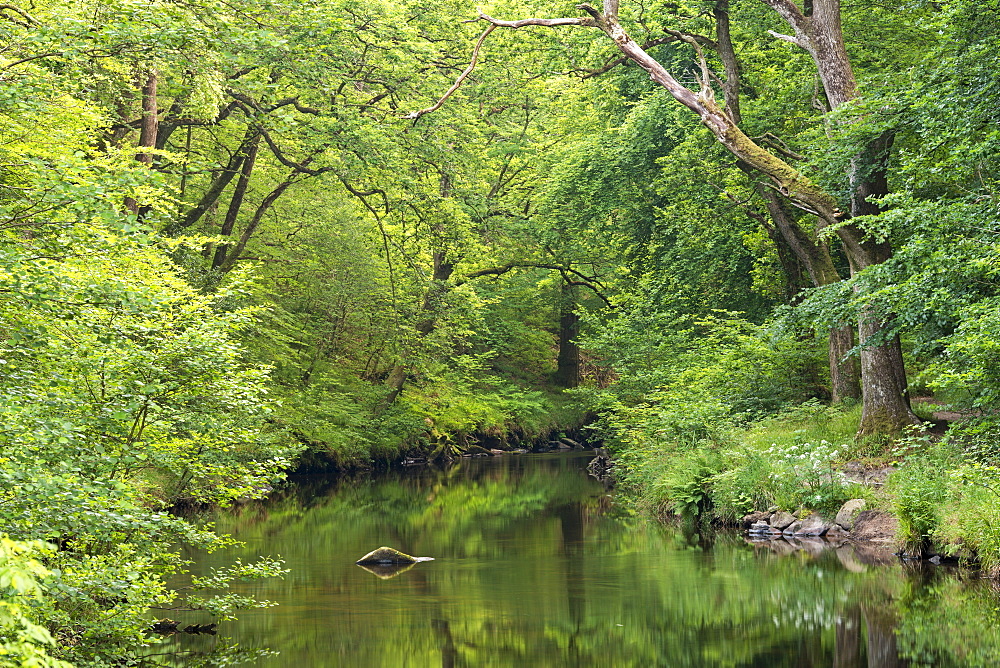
(288, 162)
(17, 10)
(284, 102)
(787, 38)
(731, 64)
(235, 254)
(689, 36)
(241, 72)
(363, 195)
(583, 280)
(29, 59)
(779, 145)
(510, 266)
(790, 181)
(549, 23)
(789, 11)
(586, 284)
(494, 24)
(705, 80)
(615, 62)
(414, 115)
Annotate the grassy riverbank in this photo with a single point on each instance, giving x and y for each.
(349, 428)
(939, 486)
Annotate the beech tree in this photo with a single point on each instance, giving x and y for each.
(818, 31)
(781, 225)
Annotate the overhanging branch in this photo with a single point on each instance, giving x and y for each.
(28, 21)
(458, 82)
(790, 181)
(590, 282)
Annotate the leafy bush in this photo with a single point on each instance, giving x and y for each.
(685, 485)
(23, 642)
(974, 514)
(700, 382)
(124, 390)
(805, 476)
(919, 488)
(745, 484)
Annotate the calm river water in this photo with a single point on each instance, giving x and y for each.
(537, 565)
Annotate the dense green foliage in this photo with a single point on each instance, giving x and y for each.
(295, 266)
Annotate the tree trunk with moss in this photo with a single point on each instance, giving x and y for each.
(886, 407)
(811, 252)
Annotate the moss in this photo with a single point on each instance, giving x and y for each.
(883, 423)
(386, 555)
(794, 184)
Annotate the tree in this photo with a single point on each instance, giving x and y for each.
(886, 406)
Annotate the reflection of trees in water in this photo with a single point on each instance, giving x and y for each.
(535, 567)
(847, 651)
(948, 618)
(206, 651)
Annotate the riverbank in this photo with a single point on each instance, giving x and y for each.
(433, 424)
(935, 490)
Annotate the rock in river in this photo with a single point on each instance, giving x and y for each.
(849, 513)
(781, 519)
(387, 555)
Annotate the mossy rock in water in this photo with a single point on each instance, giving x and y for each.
(387, 555)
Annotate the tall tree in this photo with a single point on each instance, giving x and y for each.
(886, 406)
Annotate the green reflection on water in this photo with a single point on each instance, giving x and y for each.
(534, 565)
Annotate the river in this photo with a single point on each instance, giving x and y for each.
(536, 564)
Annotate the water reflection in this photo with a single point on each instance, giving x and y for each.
(535, 565)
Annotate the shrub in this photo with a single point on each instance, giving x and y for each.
(919, 487)
(976, 509)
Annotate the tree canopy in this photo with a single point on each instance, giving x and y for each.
(239, 237)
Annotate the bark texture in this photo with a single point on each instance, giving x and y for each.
(886, 405)
(810, 252)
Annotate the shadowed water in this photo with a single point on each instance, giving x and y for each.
(536, 565)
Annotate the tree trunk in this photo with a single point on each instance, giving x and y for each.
(568, 360)
(430, 307)
(883, 376)
(150, 122)
(844, 373)
(147, 134)
(815, 256)
(886, 407)
(233, 254)
(886, 399)
(218, 185)
(233, 212)
(881, 624)
(793, 270)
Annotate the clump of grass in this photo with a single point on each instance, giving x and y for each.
(810, 422)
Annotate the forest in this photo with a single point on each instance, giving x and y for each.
(742, 243)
